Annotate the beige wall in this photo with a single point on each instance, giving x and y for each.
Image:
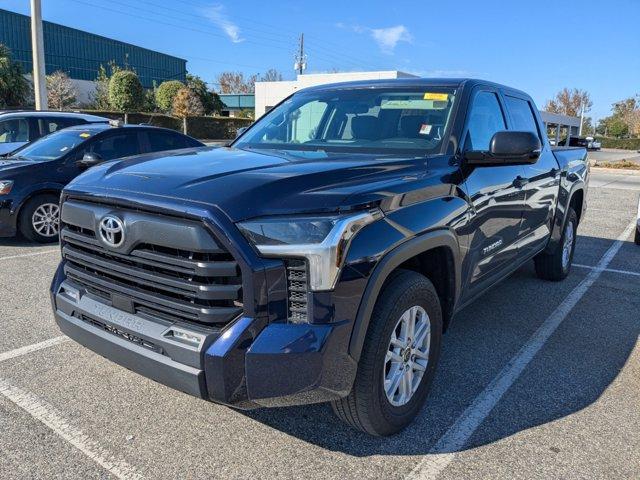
(269, 94)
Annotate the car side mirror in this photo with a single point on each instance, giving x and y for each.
(507, 148)
(89, 160)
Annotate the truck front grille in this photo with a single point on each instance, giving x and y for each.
(298, 291)
(204, 287)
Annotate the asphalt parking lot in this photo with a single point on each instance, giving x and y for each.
(536, 380)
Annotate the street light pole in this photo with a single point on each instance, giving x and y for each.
(581, 117)
(37, 49)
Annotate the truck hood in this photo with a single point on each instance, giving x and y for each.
(246, 184)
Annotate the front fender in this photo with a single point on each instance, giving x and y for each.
(392, 260)
(30, 190)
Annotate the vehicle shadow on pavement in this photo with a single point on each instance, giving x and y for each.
(578, 363)
(22, 242)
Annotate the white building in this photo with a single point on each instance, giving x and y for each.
(269, 94)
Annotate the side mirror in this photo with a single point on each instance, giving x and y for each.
(508, 148)
(89, 160)
(240, 131)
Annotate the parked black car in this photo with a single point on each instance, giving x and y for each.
(321, 256)
(33, 177)
(20, 127)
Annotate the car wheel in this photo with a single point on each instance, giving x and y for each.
(636, 238)
(557, 266)
(40, 218)
(399, 357)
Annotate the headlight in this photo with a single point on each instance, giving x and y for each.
(5, 186)
(322, 240)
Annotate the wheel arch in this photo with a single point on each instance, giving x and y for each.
(408, 255)
(52, 189)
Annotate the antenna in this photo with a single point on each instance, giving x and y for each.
(301, 58)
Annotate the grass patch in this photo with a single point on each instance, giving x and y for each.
(621, 164)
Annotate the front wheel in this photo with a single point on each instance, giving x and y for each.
(556, 266)
(40, 218)
(399, 357)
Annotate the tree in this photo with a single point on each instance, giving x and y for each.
(14, 88)
(125, 92)
(165, 94)
(628, 111)
(61, 92)
(570, 102)
(235, 82)
(100, 96)
(271, 75)
(187, 104)
(210, 100)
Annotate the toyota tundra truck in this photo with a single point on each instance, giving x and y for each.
(320, 256)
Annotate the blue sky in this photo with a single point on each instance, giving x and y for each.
(537, 46)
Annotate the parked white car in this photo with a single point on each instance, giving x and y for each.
(593, 144)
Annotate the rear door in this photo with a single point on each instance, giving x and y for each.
(496, 198)
(541, 180)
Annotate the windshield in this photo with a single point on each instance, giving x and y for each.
(393, 120)
(53, 146)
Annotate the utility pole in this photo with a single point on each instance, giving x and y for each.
(581, 117)
(37, 50)
(301, 58)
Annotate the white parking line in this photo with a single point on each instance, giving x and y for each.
(32, 254)
(18, 352)
(610, 270)
(455, 438)
(46, 414)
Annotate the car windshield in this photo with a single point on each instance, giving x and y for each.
(53, 146)
(392, 120)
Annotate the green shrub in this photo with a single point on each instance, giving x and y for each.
(621, 143)
(165, 93)
(125, 92)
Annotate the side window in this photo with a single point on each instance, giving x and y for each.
(160, 140)
(50, 125)
(521, 115)
(117, 145)
(485, 119)
(14, 130)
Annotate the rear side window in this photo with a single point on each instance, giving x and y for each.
(521, 115)
(50, 125)
(160, 140)
(14, 130)
(485, 119)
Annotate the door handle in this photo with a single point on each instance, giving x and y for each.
(520, 182)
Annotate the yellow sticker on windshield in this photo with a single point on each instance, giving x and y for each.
(85, 135)
(442, 97)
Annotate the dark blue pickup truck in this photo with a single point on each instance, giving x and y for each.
(321, 256)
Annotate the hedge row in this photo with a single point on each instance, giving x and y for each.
(622, 143)
(207, 128)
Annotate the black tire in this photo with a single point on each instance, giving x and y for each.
(25, 221)
(367, 407)
(636, 237)
(551, 266)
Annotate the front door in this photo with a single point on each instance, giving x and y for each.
(496, 197)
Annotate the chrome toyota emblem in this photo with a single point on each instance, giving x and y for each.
(112, 231)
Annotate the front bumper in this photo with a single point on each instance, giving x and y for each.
(7, 219)
(249, 363)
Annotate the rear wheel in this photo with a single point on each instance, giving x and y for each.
(556, 266)
(40, 218)
(399, 357)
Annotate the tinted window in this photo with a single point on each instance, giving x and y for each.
(50, 125)
(117, 145)
(160, 140)
(398, 119)
(14, 130)
(521, 115)
(485, 119)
